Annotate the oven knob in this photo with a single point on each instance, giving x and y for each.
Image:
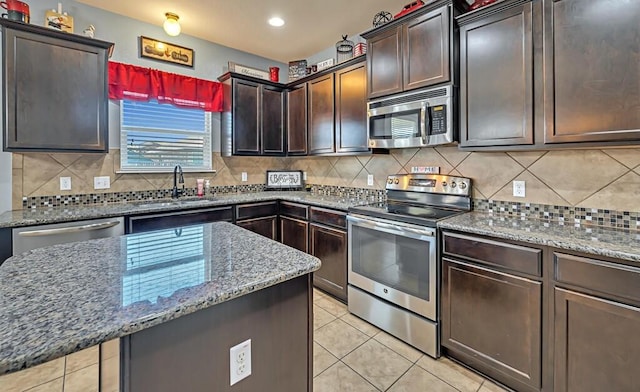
(463, 185)
(453, 184)
(397, 181)
(390, 181)
(444, 183)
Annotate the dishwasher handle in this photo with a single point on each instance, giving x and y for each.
(67, 230)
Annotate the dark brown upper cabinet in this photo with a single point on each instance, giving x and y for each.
(337, 116)
(253, 117)
(496, 78)
(55, 90)
(591, 70)
(297, 120)
(550, 74)
(321, 115)
(413, 51)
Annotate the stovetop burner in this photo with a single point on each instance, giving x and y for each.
(421, 199)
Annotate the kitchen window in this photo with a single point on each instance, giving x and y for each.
(155, 137)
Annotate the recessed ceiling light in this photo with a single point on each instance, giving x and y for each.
(276, 22)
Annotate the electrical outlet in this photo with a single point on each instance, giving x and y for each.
(65, 183)
(370, 179)
(518, 189)
(240, 362)
(103, 182)
(304, 176)
(244, 176)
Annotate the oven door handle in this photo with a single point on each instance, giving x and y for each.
(398, 229)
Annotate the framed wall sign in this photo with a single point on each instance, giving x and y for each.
(280, 179)
(243, 69)
(164, 51)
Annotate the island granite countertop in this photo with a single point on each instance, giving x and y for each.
(61, 299)
(623, 244)
(67, 213)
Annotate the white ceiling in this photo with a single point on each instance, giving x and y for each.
(310, 25)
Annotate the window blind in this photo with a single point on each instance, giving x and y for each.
(156, 137)
(162, 262)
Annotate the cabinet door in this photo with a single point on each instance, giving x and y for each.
(330, 246)
(295, 233)
(493, 322)
(321, 115)
(264, 226)
(272, 121)
(496, 74)
(55, 94)
(297, 121)
(6, 244)
(597, 347)
(246, 119)
(351, 109)
(592, 70)
(426, 49)
(384, 63)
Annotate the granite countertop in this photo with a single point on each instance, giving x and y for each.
(596, 240)
(64, 298)
(47, 215)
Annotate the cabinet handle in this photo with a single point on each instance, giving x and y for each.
(66, 230)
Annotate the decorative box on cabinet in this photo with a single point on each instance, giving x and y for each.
(55, 90)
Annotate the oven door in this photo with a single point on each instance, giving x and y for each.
(394, 261)
(397, 126)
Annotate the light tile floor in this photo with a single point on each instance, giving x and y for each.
(353, 355)
(350, 355)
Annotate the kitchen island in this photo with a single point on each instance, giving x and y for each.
(179, 299)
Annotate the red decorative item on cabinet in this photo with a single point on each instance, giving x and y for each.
(480, 3)
(409, 8)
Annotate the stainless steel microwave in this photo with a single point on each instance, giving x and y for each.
(417, 119)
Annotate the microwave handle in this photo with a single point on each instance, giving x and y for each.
(425, 124)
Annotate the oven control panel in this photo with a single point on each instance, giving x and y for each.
(430, 183)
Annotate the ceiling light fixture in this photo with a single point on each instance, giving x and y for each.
(276, 22)
(171, 25)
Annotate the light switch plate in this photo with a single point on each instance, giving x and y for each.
(304, 176)
(65, 183)
(370, 179)
(103, 182)
(244, 176)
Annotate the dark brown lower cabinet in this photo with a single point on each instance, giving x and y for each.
(596, 344)
(492, 321)
(266, 226)
(295, 233)
(330, 246)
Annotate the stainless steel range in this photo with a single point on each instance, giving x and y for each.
(393, 256)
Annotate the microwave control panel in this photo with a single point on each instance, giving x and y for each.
(438, 116)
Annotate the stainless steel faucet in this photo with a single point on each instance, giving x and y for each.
(175, 193)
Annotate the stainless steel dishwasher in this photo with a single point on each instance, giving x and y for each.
(32, 237)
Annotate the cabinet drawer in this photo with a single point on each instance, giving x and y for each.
(256, 210)
(500, 254)
(329, 217)
(615, 279)
(294, 210)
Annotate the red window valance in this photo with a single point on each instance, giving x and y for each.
(128, 81)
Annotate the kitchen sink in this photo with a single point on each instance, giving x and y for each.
(173, 203)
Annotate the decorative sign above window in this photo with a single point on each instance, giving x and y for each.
(164, 51)
(277, 179)
(243, 69)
